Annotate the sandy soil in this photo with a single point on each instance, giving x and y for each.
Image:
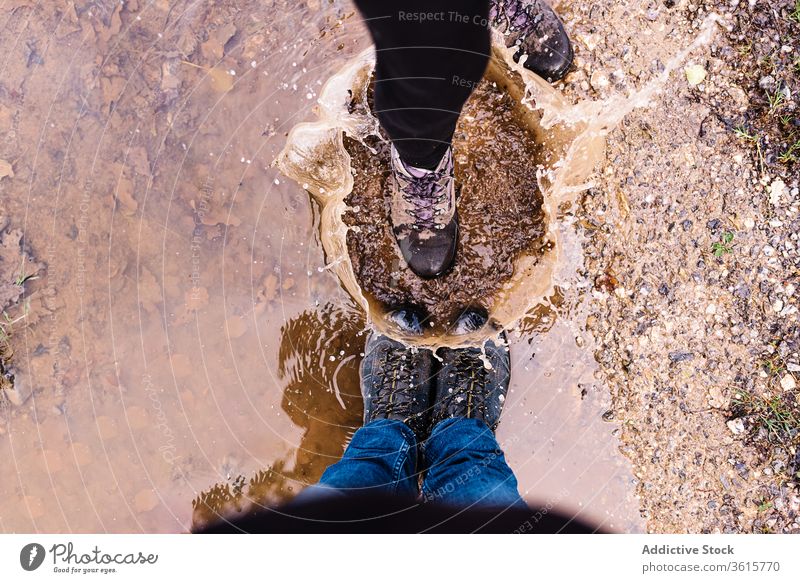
(691, 243)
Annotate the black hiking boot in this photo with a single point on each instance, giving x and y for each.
(423, 213)
(536, 30)
(471, 384)
(396, 380)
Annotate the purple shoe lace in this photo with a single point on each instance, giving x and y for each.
(514, 16)
(425, 191)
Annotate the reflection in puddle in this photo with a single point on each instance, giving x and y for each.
(318, 359)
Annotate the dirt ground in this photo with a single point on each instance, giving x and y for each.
(691, 242)
(149, 289)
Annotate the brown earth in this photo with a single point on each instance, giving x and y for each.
(691, 242)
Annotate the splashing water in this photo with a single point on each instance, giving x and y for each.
(573, 137)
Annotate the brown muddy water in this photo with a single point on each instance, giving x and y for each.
(500, 212)
(186, 331)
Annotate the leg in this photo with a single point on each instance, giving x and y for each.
(382, 457)
(467, 467)
(426, 69)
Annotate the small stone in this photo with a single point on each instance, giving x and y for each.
(776, 190)
(749, 223)
(599, 80)
(736, 426)
(767, 82)
(678, 356)
(777, 306)
(788, 383)
(695, 74)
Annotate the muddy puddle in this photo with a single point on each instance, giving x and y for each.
(500, 212)
(194, 330)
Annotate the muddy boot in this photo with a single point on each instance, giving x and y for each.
(423, 214)
(396, 380)
(535, 29)
(470, 384)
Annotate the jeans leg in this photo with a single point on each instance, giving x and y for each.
(466, 467)
(381, 457)
(426, 69)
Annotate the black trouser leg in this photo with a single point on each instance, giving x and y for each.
(430, 55)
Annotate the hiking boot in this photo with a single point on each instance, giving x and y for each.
(471, 384)
(396, 380)
(536, 30)
(423, 214)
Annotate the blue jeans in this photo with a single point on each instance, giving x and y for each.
(462, 463)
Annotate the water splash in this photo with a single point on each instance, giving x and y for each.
(573, 137)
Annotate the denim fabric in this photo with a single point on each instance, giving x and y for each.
(382, 456)
(462, 462)
(465, 467)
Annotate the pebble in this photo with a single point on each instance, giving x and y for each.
(736, 426)
(749, 223)
(777, 306)
(695, 74)
(599, 80)
(766, 82)
(776, 190)
(679, 356)
(788, 383)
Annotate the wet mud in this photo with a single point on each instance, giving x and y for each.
(499, 205)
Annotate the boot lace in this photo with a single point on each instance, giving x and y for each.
(397, 372)
(470, 378)
(514, 16)
(426, 194)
